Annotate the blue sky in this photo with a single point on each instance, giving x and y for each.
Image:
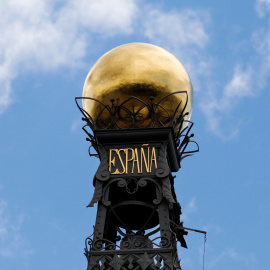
(46, 50)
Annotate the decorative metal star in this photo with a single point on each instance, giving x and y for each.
(116, 263)
(144, 261)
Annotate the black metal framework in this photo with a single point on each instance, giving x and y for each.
(157, 116)
(138, 217)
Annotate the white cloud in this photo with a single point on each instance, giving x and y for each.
(184, 33)
(106, 17)
(241, 85)
(11, 239)
(76, 125)
(262, 6)
(188, 209)
(213, 229)
(36, 35)
(47, 35)
(180, 29)
(261, 41)
(217, 108)
(247, 81)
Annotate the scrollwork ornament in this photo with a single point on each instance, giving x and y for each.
(142, 182)
(88, 244)
(98, 245)
(165, 242)
(148, 114)
(126, 245)
(136, 243)
(122, 183)
(163, 172)
(101, 176)
(167, 190)
(103, 173)
(163, 169)
(97, 194)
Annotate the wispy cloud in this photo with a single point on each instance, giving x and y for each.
(215, 108)
(41, 35)
(184, 33)
(213, 229)
(188, 209)
(105, 17)
(182, 29)
(248, 79)
(262, 7)
(35, 35)
(241, 84)
(76, 125)
(11, 239)
(3, 219)
(232, 255)
(261, 41)
(56, 225)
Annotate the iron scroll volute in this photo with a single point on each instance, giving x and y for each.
(103, 173)
(163, 169)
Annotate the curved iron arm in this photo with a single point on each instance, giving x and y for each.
(177, 120)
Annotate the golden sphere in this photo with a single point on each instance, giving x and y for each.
(141, 70)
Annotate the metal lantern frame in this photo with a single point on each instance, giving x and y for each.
(127, 241)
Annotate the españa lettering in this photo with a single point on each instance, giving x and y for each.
(133, 160)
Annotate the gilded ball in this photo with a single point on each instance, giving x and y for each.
(141, 70)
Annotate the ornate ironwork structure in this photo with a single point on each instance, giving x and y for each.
(138, 217)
